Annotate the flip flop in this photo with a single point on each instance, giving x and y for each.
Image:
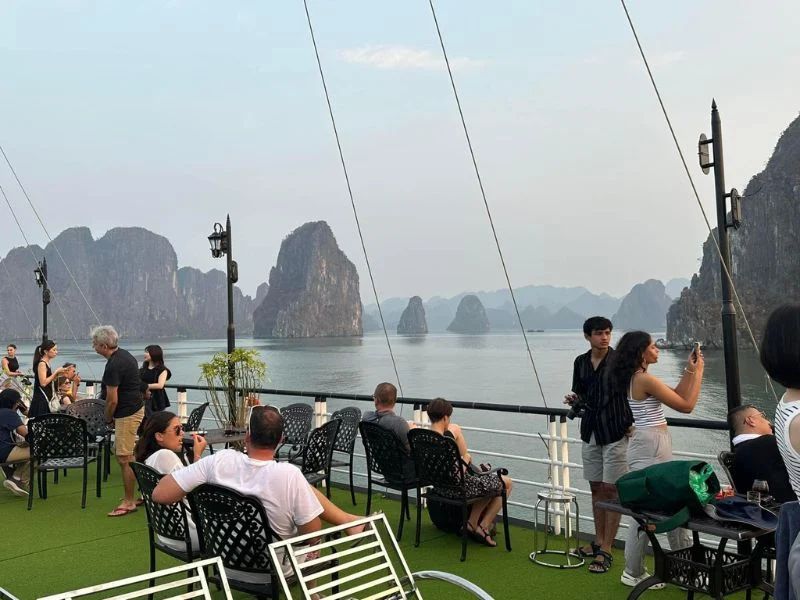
(139, 501)
(121, 511)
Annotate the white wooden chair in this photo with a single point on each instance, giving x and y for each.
(365, 569)
(194, 575)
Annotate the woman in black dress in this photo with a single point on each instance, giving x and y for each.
(155, 375)
(488, 487)
(44, 377)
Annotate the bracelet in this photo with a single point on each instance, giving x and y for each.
(686, 370)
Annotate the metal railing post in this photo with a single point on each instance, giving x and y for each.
(565, 482)
(555, 475)
(182, 401)
(320, 411)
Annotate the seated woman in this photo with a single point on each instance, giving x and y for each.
(488, 487)
(67, 385)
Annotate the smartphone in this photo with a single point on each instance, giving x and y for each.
(696, 350)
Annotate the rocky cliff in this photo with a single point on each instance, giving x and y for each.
(131, 280)
(412, 321)
(644, 308)
(470, 317)
(313, 289)
(764, 250)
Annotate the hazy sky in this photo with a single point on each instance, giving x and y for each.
(169, 115)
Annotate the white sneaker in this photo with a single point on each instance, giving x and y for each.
(13, 486)
(631, 581)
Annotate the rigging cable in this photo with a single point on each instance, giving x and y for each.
(52, 295)
(350, 193)
(47, 233)
(694, 189)
(485, 201)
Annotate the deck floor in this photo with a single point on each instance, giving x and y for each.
(58, 547)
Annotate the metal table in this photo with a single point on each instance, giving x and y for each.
(701, 568)
(213, 436)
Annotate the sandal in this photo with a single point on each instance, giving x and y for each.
(580, 551)
(601, 563)
(121, 511)
(480, 535)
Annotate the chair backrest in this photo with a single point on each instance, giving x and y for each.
(234, 527)
(350, 416)
(166, 520)
(319, 450)
(93, 412)
(58, 435)
(297, 420)
(195, 418)
(437, 460)
(366, 570)
(385, 453)
(164, 583)
(726, 460)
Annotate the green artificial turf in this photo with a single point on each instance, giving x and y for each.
(58, 547)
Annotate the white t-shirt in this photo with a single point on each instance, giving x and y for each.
(281, 487)
(165, 462)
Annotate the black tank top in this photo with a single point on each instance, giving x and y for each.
(13, 364)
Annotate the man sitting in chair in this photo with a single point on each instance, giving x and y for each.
(756, 454)
(293, 506)
(385, 397)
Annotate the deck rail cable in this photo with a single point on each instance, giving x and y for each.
(694, 188)
(485, 201)
(47, 233)
(52, 295)
(350, 194)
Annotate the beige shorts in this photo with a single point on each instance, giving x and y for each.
(605, 463)
(125, 433)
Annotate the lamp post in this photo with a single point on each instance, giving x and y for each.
(41, 280)
(221, 243)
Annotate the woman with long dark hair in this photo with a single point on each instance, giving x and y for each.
(650, 442)
(44, 377)
(155, 375)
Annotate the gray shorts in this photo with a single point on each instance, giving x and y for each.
(605, 463)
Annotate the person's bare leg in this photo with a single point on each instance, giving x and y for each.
(476, 513)
(333, 515)
(598, 489)
(128, 482)
(611, 521)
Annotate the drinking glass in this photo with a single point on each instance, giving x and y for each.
(761, 487)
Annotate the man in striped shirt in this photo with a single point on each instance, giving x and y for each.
(605, 421)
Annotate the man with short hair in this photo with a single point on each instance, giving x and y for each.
(121, 390)
(293, 506)
(756, 454)
(385, 397)
(605, 421)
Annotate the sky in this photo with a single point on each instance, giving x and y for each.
(171, 114)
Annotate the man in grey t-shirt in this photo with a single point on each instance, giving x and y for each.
(385, 398)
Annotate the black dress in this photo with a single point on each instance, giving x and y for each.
(40, 403)
(158, 398)
(13, 364)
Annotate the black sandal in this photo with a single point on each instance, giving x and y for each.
(584, 554)
(601, 563)
(480, 535)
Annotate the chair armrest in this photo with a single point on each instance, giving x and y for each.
(454, 580)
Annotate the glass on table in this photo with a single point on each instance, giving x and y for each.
(759, 490)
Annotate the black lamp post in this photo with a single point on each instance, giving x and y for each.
(41, 280)
(221, 243)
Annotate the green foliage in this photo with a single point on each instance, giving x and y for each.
(249, 371)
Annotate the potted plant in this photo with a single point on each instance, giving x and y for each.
(229, 404)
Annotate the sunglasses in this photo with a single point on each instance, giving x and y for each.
(760, 413)
(178, 429)
(251, 411)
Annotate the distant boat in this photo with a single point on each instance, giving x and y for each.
(663, 344)
(535, 330)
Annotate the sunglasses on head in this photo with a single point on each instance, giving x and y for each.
(251, 410)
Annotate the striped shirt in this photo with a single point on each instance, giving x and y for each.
(785, 412)
(607, 415)
(648, 412)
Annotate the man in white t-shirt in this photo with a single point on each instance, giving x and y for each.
(293, 507)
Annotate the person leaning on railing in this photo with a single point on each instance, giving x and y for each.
(650, 442)
(488, 487)
(780, 356)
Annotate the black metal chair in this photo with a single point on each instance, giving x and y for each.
(315, 462)
(94, 413)
(297, 419)
(59, 441)
(725, 459)
(196, 418)
(346, 441)
(168, 521)
(438, 461)
(386, 456)
(235, 528)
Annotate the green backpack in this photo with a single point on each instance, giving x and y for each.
(677, 488)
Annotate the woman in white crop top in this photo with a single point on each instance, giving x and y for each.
(650, 442)
(780, 356)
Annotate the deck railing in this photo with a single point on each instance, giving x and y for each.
(554, 435)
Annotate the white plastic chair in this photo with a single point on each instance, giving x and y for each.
(195, 575)
(376, 576)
